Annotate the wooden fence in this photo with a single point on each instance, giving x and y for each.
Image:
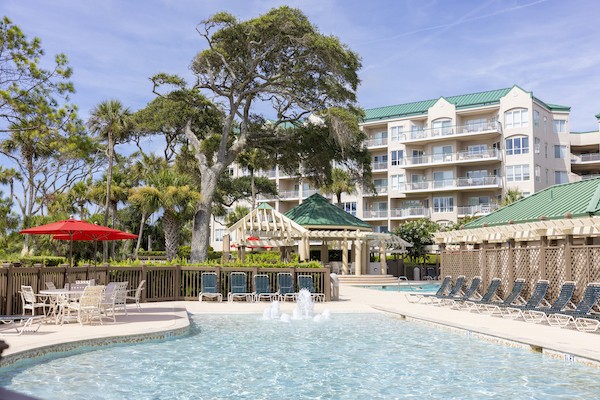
(557, 264)
(163, 283)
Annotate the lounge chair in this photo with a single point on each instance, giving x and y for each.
(137, 295)
(513, 298)
(209, 287)
(469, 294)
(20, 323)
(536, 299)
(285, 287)
(563, 301)
(238, 287)
(488, 297)
(444, 288)
(262, 288)
(32, 301)
(583, 309)
(456, 291)
(307, 282)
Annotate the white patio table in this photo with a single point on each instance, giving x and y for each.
(58, 298)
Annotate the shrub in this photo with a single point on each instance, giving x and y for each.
(47, 261)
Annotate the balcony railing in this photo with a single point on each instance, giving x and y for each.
(288, 194)
(428, 133)
(379, 165)
(375, 213)
(578, 158)
(309, 192)
(376, 142)
(379, 189)
(480, 209)
(481, 155)
(410, 212)
(455, 183)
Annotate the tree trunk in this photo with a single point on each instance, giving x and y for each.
(201, 232)
(141, 231)
(171, 227)
(111, 148)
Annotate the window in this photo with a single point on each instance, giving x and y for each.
(538, 173)
(442, 179)
(443, 204)
(517, 173)
(442, 153)
(396, 133)
(517, 145)
(219, 234)
(477, 149)
(560, 151)
(537, 145)
(350, 207)
(561, 177)
(397, 156)
(380, 229)
(397, 182)
(516, 118)
(546, 149)
(380, 162)
(536, 118)
(546, 176)
(560, 126)
(441, 127)
(478, 200)
(380, 185)
(476, 125)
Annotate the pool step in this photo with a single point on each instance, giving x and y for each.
(367, 279)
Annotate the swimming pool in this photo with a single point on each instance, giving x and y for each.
(410, 287)
(364, 356)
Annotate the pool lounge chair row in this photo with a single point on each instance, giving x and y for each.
(262, 287)
(562, 312)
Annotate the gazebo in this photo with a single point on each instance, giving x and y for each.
(315, 219)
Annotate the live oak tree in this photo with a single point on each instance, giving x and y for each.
(280, 61)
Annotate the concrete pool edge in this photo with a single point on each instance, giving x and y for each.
(570, 357)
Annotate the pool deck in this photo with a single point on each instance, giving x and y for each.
(163, 320)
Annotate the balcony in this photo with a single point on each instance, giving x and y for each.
(272, 173)
(376, 142)
(309, 192)
(486, 182)
(379, 166)
(485, 128)
(462, 157)
(410, 212)
(288, 194)
(477, 210)
(375, 214)
(379, 190)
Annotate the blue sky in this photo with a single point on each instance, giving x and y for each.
(411, 49)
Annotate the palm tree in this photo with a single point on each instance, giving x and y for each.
(340, 183)
(110, 120)
(254, 159)
(238, 213)
(511, 196)
(171, 192)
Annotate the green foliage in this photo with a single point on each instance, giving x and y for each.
(512, 195)
(234, 216)
(156, 253)
(341, 182)
(420, 234)
(47, 261)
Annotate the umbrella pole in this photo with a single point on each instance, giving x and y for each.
(71, 249)
(95, 253)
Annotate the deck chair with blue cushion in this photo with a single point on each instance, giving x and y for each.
(20, 324)
(584, 308)
(285, 287)
(307, 282)
(454, 292)
(469, 294)
(238, 285)
(488, 297)
(562, 302)
(209, 287)
(536, 300)
(513, 298)
(443, 290)
(262, 288)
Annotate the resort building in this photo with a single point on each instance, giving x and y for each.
(454, 157)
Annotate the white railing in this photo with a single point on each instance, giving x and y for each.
(288, 194)
(453, 183)
(480, 209)
(375, 214)
(309, 192)
(380, 189)
(380, 165)
(428, 133)
(409, 212)
(578, 158)
(376, 142)
(452, 157)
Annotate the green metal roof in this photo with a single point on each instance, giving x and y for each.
(558, 107)
(578, 198)
(316, 211)
(264, 206)
(582, 133)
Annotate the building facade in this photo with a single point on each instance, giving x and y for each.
(453, 157)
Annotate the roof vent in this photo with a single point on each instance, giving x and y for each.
(543, 218)
(568, 215)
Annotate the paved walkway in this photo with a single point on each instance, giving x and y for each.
(164, 319)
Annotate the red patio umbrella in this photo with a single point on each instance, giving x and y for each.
(116, 235)
(70, 227)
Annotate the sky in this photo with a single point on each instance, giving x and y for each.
(411, 50)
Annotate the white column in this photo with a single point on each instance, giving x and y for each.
(358, 257)
(345, 257)
(382, 259)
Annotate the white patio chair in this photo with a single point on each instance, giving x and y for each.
(50, 286)
(137, 294)
(88, 307)
(32, 301)
(115, 300)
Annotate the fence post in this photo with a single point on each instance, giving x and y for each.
(567, 250)
(9, 290)
(442, 259)
(40, 284)
(177, 282)
(145, 277)
(327, 286)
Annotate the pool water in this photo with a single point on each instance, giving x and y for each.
(411, 287)
(364, 356)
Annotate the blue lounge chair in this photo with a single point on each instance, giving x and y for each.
(238, 285)
(444, 288)
(285, 287)
(262, 288)
(583, 309)
(536, 299)
(562, 302)
(307, 282)
(209, 287)
(488, 297)
(454, 292)
(469, 294)
(513, 298)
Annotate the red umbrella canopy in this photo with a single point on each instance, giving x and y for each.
(68, 226)
(119, 235)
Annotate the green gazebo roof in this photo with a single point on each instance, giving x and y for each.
(317, 212)
(580, 199)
